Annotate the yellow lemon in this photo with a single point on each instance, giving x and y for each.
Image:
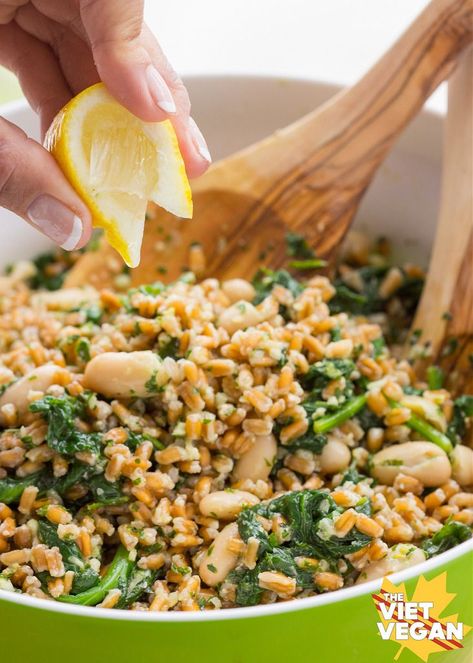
(117, 163)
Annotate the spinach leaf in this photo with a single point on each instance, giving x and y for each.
(310, 441)
(45, 277)
(60, 413)
(297, 246)
(169, 349)
(266, 279)
(308, 516)
(139, 582)
(11, 489)
(451, 534)
(323, 372)
(84, 575)
(462, 411)
(117, 576)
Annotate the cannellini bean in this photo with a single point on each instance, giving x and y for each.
(399, 557)
(39, 379)
(258, 461)
(461, 459)
(226, 504)
(238, 289)
(65, 299)
(124, 374)
(423, 460)
(335, 457)
(219, 560)
(239, 316)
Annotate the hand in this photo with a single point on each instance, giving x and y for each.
(57, 48)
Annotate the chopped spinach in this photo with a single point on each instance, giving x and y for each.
(297, 246)
(451, 534)
(138, 583)
(84, 575)
(169, 349)
(45, 278)
(11, 489)
(306, 514)
(310, 441)
(62, 436)
(117, 577)
(462, 411)
(266, 279)
(325, 371)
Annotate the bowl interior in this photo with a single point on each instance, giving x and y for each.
(235, 111)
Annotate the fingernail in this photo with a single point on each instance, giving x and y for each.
(56, 220)
(199, 140)
(159, 90)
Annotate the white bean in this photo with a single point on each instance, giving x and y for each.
(258, 461)
(423, 460)
(238, 289)
(65, 299)
(399, 557)
(335, 457)
(226, 504)
(239, 316)
(39, 379)
(219, 560)
(461, 459)
(124, 374)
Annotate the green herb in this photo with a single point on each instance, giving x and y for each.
(313, 263)
(379, 345)
(297, 246)
(117, 577)
(266, 279)
(12, 489)
(169, 349)
(347, 411)
(62, 436)
(323, 372)
(451, 534)
(310, 441)
(84, 576)
(43, 279)
(435, 377)
(139, 583)
(462, 411)
(304, 512)
(93, 314)
(151, 385)
(82, 348)
(429, 432)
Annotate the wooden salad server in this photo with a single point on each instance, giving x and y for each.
(308, 178)
(444, 318)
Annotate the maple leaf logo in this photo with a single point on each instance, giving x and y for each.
(425, 630)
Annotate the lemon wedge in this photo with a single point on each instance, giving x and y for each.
(117, 163)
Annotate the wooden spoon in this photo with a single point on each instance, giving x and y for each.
(308, 178)
(445, 312)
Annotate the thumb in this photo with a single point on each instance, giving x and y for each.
(33, 186)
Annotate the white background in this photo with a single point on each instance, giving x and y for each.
(329, 40)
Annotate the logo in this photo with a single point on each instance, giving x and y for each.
(417, 623)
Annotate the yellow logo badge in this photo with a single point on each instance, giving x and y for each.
(417, 623)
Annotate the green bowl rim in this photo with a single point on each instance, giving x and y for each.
(239, 613)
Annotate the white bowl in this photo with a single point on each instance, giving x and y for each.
(235, 111)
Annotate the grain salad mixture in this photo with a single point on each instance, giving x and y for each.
(206, 445)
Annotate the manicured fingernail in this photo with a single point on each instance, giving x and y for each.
(56, 220)
(159, 90)
(199, 140)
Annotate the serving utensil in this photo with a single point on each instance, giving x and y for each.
(308, 178)
(444, 318)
